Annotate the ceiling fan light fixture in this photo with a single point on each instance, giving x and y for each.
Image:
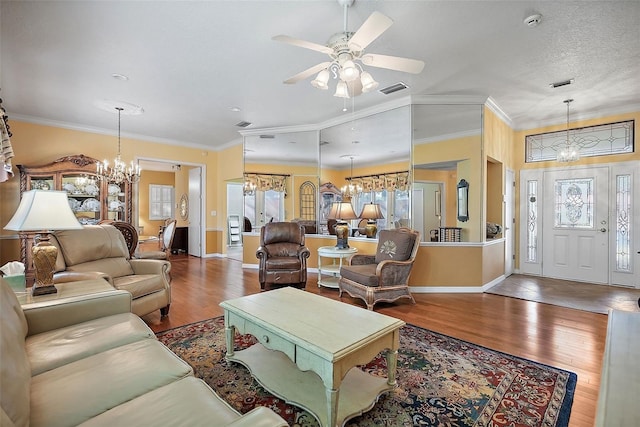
(368, 83)
(348, 71)
(342, 90)
(322, 80)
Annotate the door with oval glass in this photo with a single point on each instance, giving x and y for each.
(576, 225)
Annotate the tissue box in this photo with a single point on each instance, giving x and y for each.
(17, 282)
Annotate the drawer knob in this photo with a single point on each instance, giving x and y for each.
(265, 338)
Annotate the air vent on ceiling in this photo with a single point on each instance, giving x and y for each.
(393, 88)
(267, 136)
(243, 124)
(560, 84)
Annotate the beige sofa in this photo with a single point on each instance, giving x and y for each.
(101, 250)
(87, 360)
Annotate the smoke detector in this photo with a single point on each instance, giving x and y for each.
(533, 20)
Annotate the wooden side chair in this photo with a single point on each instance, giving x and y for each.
(385, 275)
(165, 243)
(128, 231)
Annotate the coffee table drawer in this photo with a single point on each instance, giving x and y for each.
(271, 340)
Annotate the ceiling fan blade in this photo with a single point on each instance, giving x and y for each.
(397, 63)
(375, 25)
(306, 73)
(303, 43)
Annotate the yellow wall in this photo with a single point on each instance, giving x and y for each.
(435, 265)
(36, 144)
(467, 152)
(151, 227)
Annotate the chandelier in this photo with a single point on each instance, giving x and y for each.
(249, 188)
(119, 172)
(350, 190)
(570, 152)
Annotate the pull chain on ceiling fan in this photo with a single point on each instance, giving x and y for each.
(346, 50)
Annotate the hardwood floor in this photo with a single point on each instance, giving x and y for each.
(562, 337)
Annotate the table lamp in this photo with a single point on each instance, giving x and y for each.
(342, 211)
(43, 211)
(371, 212)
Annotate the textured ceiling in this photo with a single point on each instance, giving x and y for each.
(188, 63)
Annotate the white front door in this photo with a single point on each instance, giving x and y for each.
(195, 211)
(576, 225)
(509, 223)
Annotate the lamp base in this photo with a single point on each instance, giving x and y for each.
(342, 235)
(371, 229)
(44, 261)
(43, 290)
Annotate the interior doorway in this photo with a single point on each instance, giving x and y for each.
(188, 181)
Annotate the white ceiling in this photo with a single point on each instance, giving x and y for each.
(188, 62)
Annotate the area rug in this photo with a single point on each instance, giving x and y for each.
(442, 381)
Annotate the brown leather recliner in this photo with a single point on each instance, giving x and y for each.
(283, 255)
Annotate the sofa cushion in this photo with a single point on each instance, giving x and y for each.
(188, 402)
(394, 244)
(49, 350)
(139, 285)
(15, 372)
(92, 242)
(283, 263)
(363, 274)
(114, 267)
(78, 391)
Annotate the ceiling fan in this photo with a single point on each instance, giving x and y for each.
(345, 50)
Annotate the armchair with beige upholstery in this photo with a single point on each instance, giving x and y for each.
(283, 255)
(385, 275)
(101, 251)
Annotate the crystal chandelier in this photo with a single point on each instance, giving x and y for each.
(569, 152)
(119, 172)
(249, 188)
(350, 190)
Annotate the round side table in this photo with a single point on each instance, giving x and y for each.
(332, 271)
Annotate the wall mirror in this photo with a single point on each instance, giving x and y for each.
(276, 167)
(447, 142)
(372, 153)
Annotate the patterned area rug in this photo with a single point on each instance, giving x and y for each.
(442, 381)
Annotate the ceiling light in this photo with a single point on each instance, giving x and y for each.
(342, 91)
(235, 109)
(322, 80)
(569, 151)
(118, 76)
(348, 71)
(368, 84)
(119, 172)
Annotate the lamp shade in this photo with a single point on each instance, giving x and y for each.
(371, 211)
(41, 210)
(342, 210)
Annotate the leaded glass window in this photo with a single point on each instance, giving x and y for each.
(574, 203)
(623, 223)
(532, 221)
(600, 140)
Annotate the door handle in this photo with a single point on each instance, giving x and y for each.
(603, 230)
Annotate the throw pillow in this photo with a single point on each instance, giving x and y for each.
(395, 245)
